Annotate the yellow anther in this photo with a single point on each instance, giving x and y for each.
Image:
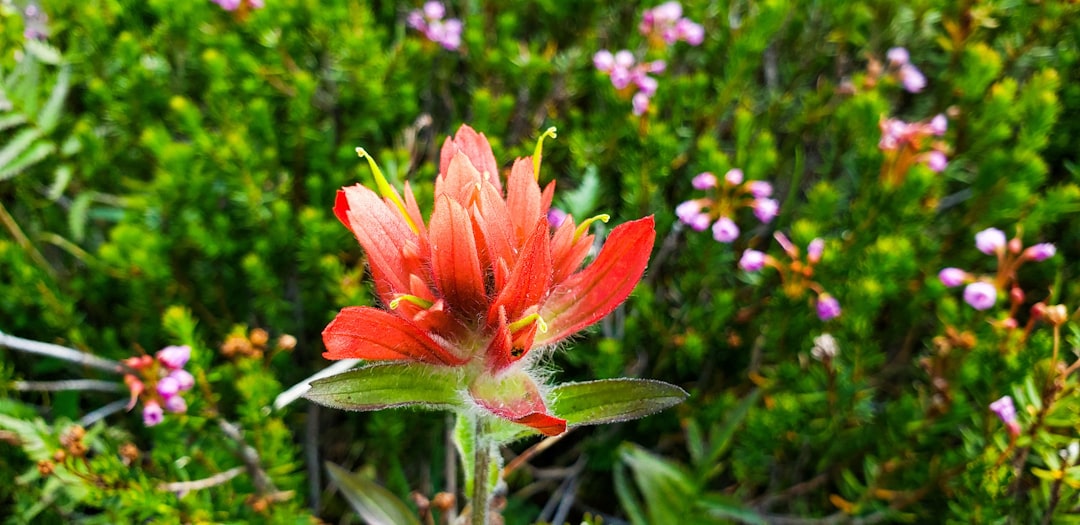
(550, 132)
(385, 189)
(418, 301)
(603, 217)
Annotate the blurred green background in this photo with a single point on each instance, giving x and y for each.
(167, 172)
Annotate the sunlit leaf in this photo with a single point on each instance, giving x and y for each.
(376, 387)
(374, 504)
(613, 400)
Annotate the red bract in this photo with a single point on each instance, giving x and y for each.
(485, 281)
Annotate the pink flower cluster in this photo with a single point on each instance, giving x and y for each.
(797, 274)
(627, 74)
(906, 139)
(667, 23)
(722, 201)
(910, 77)
(159, 382)
(981, 292)
(429, 21)
(233, 5)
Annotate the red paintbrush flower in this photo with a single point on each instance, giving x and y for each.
(485, 281)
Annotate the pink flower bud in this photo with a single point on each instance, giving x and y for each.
(734, 177)
(604, 60)
(555, 217)
(897, 56)
(936, 161)
(704, 181)
(760, 188)
(1040, 252)
(152, 413)
(952, 277)
(647, 85)
(176, 404)
(981, 295)
(686, 211)
(766, 209)
(1006, 411)
(434, 10)
(725, 230)
(173, 357)
(828, 307)
(640, 103)
(168, 387)
(912, 79)
(939, 124)
(184, 379)
(752, 260)
(690, 32)
(624, 59)
(990, 241)
(814, 250)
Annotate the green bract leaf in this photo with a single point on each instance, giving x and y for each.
(392, 385)
(613, 400)
(373, 503)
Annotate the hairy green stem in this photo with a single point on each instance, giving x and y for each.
(481, 473)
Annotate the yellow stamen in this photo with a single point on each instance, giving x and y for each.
(550, 132)
(418, 301)
(603, 217)
(386, 189)
(526, 321)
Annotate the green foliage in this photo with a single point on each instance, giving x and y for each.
(168, 169)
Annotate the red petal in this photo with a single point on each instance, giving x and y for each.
(499, 353)
(515, 397)
(567, 253)
(382, 232)
(589, 295)
(476, 146)
(361, 332)
(523, 198)
(530, 277)
(454, 259)
(460, 182)
(547, 425)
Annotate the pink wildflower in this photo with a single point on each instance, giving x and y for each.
(981, 295)
(828, 307)
(152, 413)
(704, 181)
(725, 230)
(752, 260)
(734, 177)
(990, 241)
(952, 277)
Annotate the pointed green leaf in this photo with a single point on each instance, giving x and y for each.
(77, 214)
(376, 387)
(11, 119)
(18, 145)
(43, 52)
(374, 504)
(613, 400)
(723, 507)
(36, 153)
(666, 487)
(50, 114)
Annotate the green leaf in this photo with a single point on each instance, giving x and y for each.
(581, 201)
(17, 146)
(376, 387)
(613, 400)
(43, 52)
(63, 177)
(50, 114)
(35, 154)
(11, 120)
(77, 215)
(667, 489)
(724, 507)
(374, 504)
(721, 436)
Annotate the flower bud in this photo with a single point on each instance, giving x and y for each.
(704, 181)
(981, 295)
(1040, 252)
(752, 260)
(734, 177)
(173, 357)
(952, 277)
(725, 230)
(828, 307)
(1057, 314)
(990, 241)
